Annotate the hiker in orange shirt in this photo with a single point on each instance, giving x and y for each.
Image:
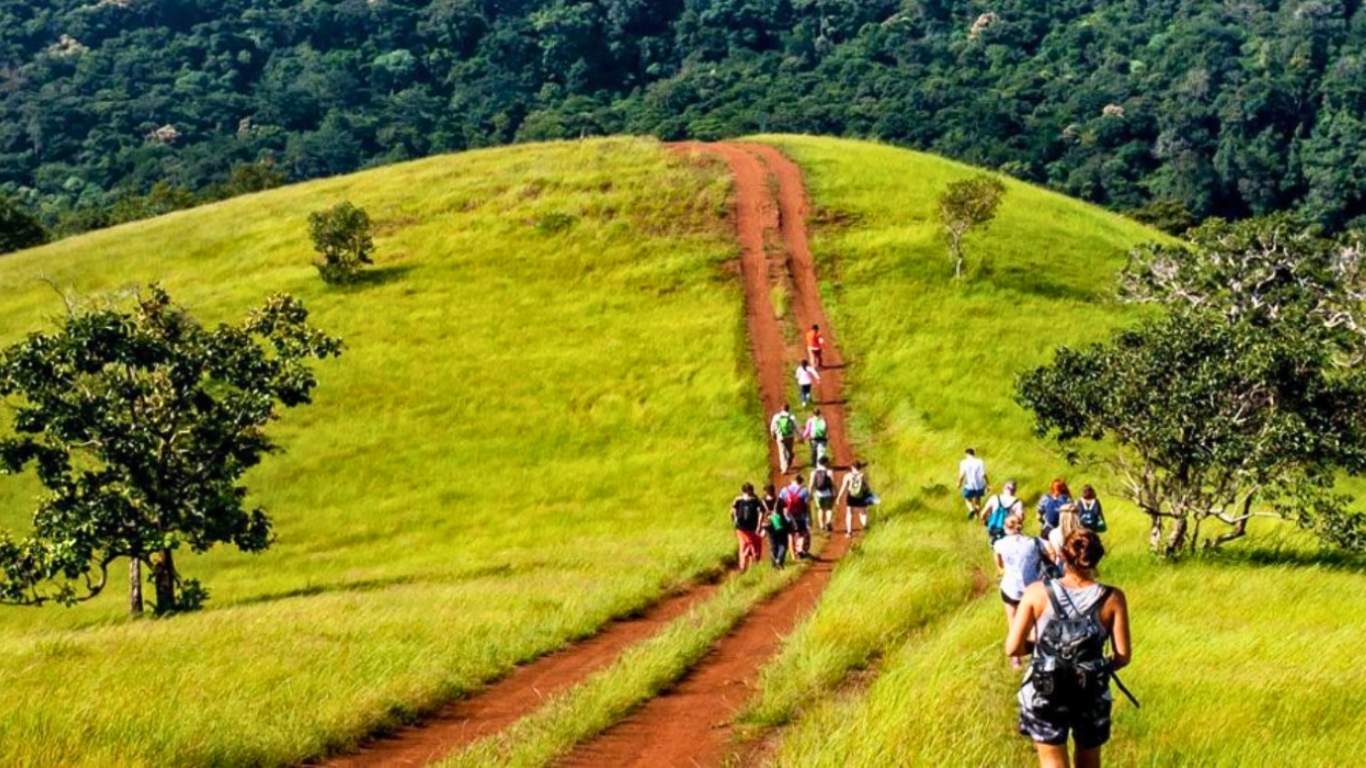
(815, 346)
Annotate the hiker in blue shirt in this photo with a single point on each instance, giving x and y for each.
(796, 501)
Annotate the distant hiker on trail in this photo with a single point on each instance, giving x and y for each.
(1000, 507)
(972, 481)
(817, 434)
(1089, 513)
(1058, 495)
(815, 346)
(806, 376)
(1017, 564)
(784, 430)
(796, 502)
(823, 490)
(1067, 687)
(778, 527)
(1069, 522)
(857, 497)
(748, 514)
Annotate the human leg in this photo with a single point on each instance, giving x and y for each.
(1086, 758)
(1011, 605)
(1052, 755)
(784, 453)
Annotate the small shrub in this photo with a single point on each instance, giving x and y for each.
(343, 237)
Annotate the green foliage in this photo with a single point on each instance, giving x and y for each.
(139, 425)
(1246, 399)
(18, 228)
(967, 204)
(1232, 110)
(343, 236)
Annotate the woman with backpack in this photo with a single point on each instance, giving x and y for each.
(1089, 512)
(823, 489)
(857, 496)
(1067, 688)
(776, 526)
(1000, 507)
(1017, 563)
(747, 514)
(1058, 495)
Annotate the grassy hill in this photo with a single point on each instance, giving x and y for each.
(543, 400)
(1234, 663)
(544, 405)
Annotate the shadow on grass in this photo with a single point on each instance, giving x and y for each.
(1036, 283)
(1329, 559)
(372, 585)
(369, 278)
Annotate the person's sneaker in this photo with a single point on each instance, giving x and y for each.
(829, 528)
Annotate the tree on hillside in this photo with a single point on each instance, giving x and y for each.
(18, 229)
(139, 424)
(966, 204)
(342, 235)
(1246, 399)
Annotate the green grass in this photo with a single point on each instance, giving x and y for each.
(535, 427)
(1235, 664)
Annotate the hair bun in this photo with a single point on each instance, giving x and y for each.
(1083, 549)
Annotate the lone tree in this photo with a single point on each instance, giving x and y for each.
(18, 229)
(139, 425)
(342, 235)
(966, 204)
(1246, 399)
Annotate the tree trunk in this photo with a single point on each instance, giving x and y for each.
(1177, 540)
(135, 587)
(1155, 536)
(163, 573)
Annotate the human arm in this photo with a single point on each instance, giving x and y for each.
(1116, 618)
(1031, 607)
(1000, 565)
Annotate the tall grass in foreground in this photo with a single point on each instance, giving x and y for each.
(533, 429)
(1235, 664)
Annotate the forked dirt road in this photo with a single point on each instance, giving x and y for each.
(689, 725)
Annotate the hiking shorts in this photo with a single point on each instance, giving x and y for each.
(1013, 602)
(826, 503)
(1088, 722)
(974, 493)
(801, 524)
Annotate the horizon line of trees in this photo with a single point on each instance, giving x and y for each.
(1174, 110)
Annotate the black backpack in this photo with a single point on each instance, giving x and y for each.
(1068, 668)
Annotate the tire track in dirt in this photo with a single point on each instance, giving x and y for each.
(520, 693)
(691, 725)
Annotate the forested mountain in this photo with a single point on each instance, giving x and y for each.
(1217, 107)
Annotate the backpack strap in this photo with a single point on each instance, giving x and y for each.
(1053, 598)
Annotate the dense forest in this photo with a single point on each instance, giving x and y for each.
(116, 109)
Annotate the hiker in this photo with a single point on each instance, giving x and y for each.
(1069, 522)
(1067, 687)
(815, 346)
(784, 430)
(972, 481)
(1017, 564)
(777, 526)
(817, 434)
(1089, 512)
(823, 490)
(747, 513)
(796, 502)
(1000, 507)
(1058, 495)
(806, 376)
(857, 497)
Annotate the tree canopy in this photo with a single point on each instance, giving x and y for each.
(1206, 108)
(1246, 398)
(140, 423)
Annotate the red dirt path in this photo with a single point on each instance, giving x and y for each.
(690, 725)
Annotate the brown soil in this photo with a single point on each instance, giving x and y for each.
(519, 694)
(690, 725)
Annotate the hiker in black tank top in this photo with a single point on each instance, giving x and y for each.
(1049, 715)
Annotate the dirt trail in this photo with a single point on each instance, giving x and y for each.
(690, 725)
(519, 694)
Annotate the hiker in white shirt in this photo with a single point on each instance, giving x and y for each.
(806, 376)
(972, 481)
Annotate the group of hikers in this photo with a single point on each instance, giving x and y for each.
(1057, 612)
(785, 517)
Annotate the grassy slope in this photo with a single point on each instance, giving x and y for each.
(486, 472)
(1235, 665)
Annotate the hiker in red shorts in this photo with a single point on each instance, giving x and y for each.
(747, 513)
(815, 347)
